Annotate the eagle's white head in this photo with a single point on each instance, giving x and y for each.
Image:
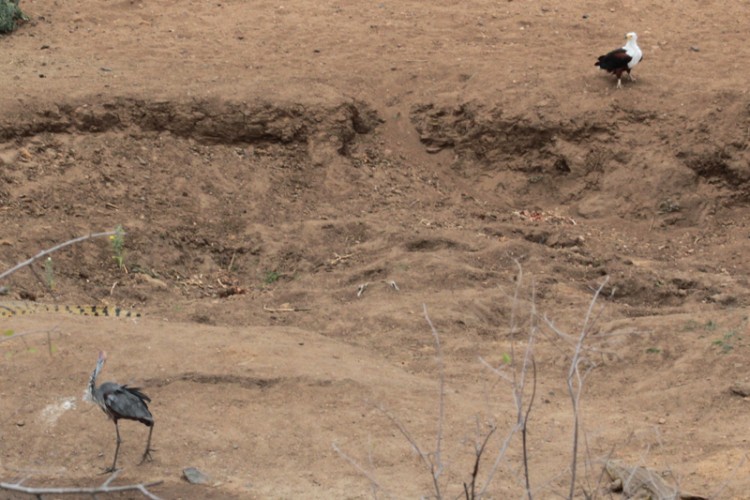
(631, 36)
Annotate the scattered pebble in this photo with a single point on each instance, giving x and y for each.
(194, 476)
(695, 48)
(740, 389)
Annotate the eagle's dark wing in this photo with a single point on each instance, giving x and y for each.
(612, 61)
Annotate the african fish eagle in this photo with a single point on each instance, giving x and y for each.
(623, 59)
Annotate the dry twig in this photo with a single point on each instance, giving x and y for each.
(517, 380)
(373, 481)
(576, 381)
(104, 488)
(285, 308)
(55, 248)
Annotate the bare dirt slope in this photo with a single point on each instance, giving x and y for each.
(270, 160)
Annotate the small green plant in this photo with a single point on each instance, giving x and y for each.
(118, 245)
(711, 325)
(271, 277)
(49, 273)
(10, 14)
(653, 350)
(727, 341)
(8, 333)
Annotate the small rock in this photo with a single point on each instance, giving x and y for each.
(695, 48)
(585, 16)
(151, 281)
(725, 299)
(740, 389)
(194, 476)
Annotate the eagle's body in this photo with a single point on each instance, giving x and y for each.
(623, 59)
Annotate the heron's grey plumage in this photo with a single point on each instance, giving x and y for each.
(120, 401)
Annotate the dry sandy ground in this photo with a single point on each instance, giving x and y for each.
(269, 159)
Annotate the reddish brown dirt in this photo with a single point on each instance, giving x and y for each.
(294, 152)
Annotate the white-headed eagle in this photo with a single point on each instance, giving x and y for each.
(623, 59)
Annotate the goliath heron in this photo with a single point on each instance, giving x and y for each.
(120, 401)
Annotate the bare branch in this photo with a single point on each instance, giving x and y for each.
(437, 465)
(44, 253)
(524, 430)
(423, 456)
(48, 331)
(499, 458)
(373, 481)
(104, 488)
(517, 380)
(494, 370)
(470, 490)
(575, 383)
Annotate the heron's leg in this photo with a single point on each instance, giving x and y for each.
(117, 450)
(147, 453)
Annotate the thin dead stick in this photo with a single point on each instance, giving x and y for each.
(470, 490)
(524, 430)
(529, 357)
(437, 466)
(285, 309)
(433, 460)
(574, 341)
(48, 331)
(104, 488)
(733, 474)
(494, 370)
(370, 461)
(517, 380)
(373, 481)
(424, 457)
(575, 389)
(499, 458)
(44, 253)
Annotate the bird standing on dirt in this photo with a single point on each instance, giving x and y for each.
(623, 59)
(120, 401)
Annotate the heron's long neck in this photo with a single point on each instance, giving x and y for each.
(92, 382)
